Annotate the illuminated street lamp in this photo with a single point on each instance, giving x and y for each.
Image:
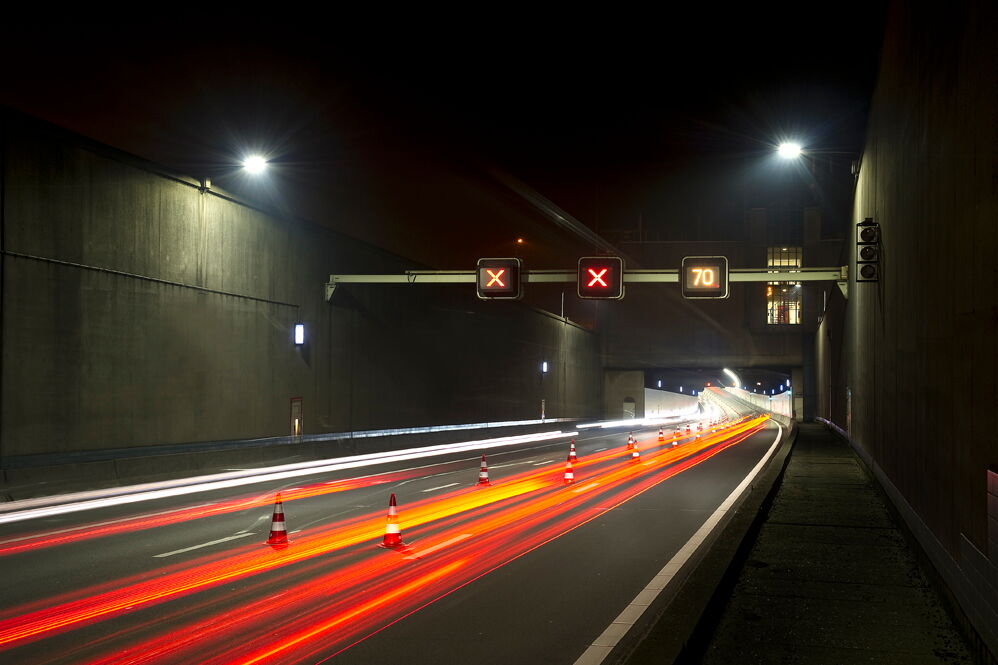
(255, 164)
(789, 150)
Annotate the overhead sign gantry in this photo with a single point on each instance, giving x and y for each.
(596, 277)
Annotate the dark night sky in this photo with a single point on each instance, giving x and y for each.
(394, 133)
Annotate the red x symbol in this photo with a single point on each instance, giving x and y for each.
(495, 277)
(598, 277)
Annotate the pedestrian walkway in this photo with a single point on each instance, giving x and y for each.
(830, 577)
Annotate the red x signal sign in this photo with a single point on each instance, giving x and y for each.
(601, 277)
(495, 278)
(499, 279)
(597, 277)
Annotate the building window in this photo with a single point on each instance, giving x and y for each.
(783, 299)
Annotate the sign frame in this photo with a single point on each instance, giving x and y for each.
(619, 267)
(693, 263)
(513, 264)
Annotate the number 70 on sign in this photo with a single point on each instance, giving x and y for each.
(704, 277)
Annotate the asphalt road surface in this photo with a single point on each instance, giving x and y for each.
(528, 569)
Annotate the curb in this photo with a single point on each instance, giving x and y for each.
(684, 623)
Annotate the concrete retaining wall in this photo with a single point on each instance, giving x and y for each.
(665, 403)
(139, 309)
(780, 404)
(918, 388)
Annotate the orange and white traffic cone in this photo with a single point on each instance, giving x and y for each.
(278, 531)
(569, 474)
(630, 440)
(635, 455)
(483, 475)
(393, 538)
(661, 434)
(571, 452)
(687, 428)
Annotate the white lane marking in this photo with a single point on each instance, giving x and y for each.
(543, 463)
(197, 547)
(439, 546)
(442, 487)
(601, 648)
(599, 450)
(586, 487)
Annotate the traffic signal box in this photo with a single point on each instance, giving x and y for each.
(601, 277)
(499, 279)
(868, 251)
(704, 277)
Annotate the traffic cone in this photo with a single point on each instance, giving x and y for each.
(278, 532)
(393, 538)
(661, 434)
(635, 455)
(630, 440)
(571, 452)
(483, 475)
(569, 474)
(687, 428)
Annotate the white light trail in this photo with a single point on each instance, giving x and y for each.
(17, 511)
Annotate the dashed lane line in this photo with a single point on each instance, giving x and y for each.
(208, 544)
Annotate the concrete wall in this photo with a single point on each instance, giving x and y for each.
(780, 404)
(919, 359)
(619, 385)
(137, 309)
(665, 403)
(830, 373)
